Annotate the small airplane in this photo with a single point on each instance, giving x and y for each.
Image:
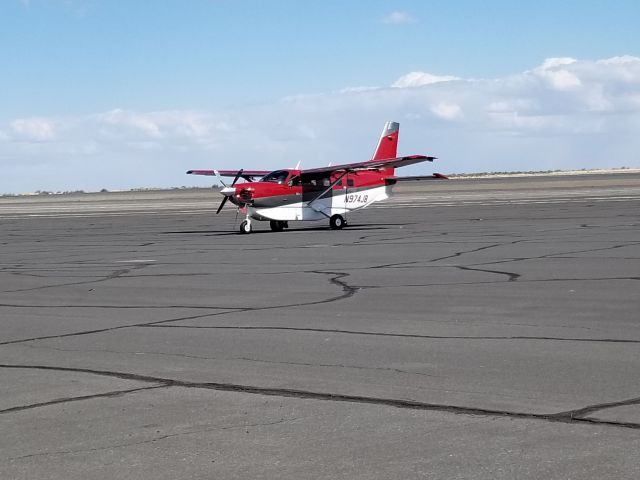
(315, 194)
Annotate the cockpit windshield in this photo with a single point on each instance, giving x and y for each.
(279, 176)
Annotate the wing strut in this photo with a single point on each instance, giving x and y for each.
(333, 184)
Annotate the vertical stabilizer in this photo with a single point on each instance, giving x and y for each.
(388, 144)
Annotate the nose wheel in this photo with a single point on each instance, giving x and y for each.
(245, 227)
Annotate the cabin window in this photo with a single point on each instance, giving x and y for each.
(294, 181)
(326, 182)
(339, 183)
(350, 182)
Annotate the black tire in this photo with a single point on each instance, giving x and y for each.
(336, 222)
(276, 225)
(245, 227)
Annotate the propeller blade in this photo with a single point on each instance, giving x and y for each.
(219, 178)
(224, 200)
(237, 177)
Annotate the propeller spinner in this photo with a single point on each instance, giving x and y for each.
(227, 191)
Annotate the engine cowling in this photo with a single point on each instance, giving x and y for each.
(244, 194)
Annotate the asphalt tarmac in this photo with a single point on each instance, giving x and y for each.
(465, 329)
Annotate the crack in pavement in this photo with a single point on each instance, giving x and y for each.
(108, 329)
(111, 394)
(559, 255)
(78, 275)
(125, 352)
(246, 359)
(358, 367)
(512, 276)
(583, 412)
(155, 439)
(400, 335)
(113, 275)
(486, 247)
(124, 307)
(561, 417)
(416, 263)
(348, 291)
(489, 282)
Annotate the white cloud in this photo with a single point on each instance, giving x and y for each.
(357, 89)
(513, 105)
(418, 79)
(159, 128)
(555, 62)
(34, 129)
(398, 18)
(555, 72)
(144, 123)
(447, 111)
(541, 118)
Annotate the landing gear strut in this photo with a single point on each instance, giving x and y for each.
(336, 222)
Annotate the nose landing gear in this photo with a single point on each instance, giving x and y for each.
(245, 227)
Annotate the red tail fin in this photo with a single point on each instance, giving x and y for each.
(388, 144)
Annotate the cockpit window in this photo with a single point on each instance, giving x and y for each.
(279, 176)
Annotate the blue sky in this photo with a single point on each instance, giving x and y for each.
(108, 84)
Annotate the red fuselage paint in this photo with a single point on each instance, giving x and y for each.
(297, 185)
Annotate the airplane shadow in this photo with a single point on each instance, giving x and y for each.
(217, 233)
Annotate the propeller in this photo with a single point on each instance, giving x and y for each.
(226, 197)
(224, 200)
(219, 178)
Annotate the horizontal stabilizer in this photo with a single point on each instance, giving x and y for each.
(435, 176)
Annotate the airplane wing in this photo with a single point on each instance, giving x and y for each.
(371, 165)
(246, 174)
(347, 167)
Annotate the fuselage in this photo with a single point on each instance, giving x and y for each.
(290, 194)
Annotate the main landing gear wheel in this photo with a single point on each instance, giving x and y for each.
(336, 222)
(245, 227)
(277, 225)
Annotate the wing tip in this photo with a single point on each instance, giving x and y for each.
(427, 158)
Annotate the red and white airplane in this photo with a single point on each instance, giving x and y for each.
(329, 192)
